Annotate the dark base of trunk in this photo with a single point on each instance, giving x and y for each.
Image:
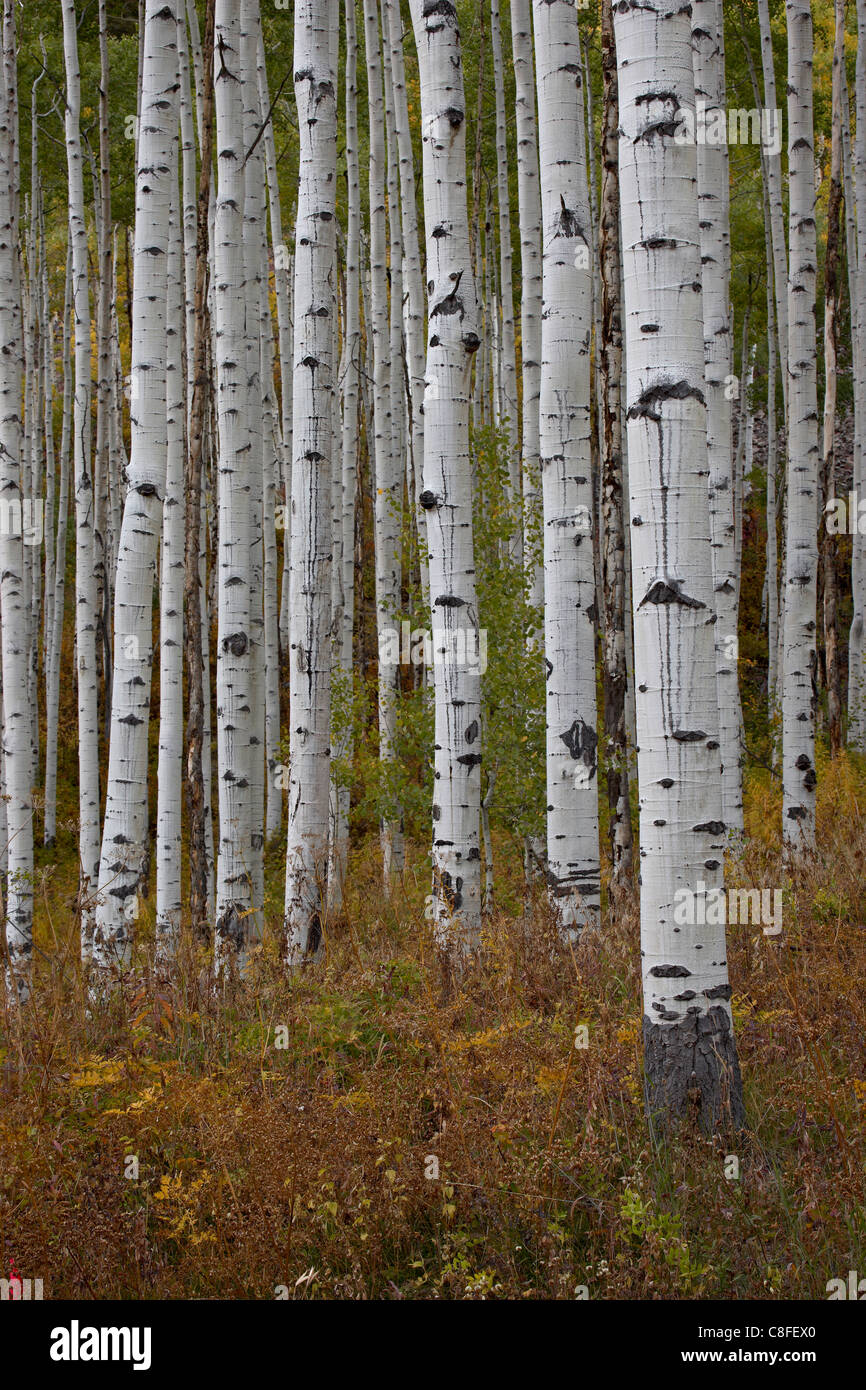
(692, 1071)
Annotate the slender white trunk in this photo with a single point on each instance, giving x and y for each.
(14, 599)
(708, 57)
(799, 672)
(283, 294)
(86, 617)
(386, 467)
(446, 495)
(413, 279)
(529, 205)
(170, 758)
(688, 1036)
(313, 380)
(125, 831)
(234, 694)
(566, 473)
(350, 391)
(55, 633)
(614, 502)
(774, 188)
(507, 353)
(255, 271)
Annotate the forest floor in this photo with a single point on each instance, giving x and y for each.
(360, 1134)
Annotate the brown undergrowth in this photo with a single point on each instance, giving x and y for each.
(358, 1134)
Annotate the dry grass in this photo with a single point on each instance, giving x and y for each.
(308, 1166)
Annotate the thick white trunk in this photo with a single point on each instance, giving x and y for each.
(688, 1037)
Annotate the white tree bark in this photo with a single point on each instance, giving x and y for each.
(566, 473)
(14, 599)
(508, 352)
(708, 58)
(799, 672)
(688, 1037)
(55, 632)
(857, 634)
(529, 207)
(413, 278)
(255, 246)
(446, 496)
(313, 380)
(386, 467)
(170, 758)
(350, 393)
(125, 830)
(234, 694)
(86, 617)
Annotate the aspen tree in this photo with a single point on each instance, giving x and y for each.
(125, 830)
(613, 503)
(54, 636)
(170, 756)
(14, 599)
(508, 353)
(529, 212)
(566, 473)
(413, 278)
(313, 382)
(86, 617)
(387, 474)
(349, 439)
(234, 694)
(446, 496)
(857, 634)
(689, 1045)
(799, 672)
(708, 58)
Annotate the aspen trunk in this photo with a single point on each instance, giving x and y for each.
(197, 779)
(446, 496)
(689, 1047)
(613, 522)
(234, 693)
(573, 869)
(313, 381)
(86, 616)
(15, 615)
(122, 870)
(708, 58)
(799, 672)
